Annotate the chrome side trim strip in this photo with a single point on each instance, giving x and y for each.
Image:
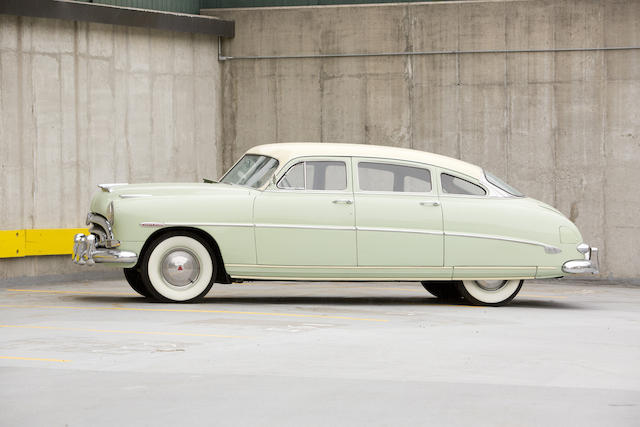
(494, 278)
(492, 268)
(210, 224)
(416, 277)
(194, 224)
(152, 224)
(550, 249)
(133, 196)
(342, 279)
(400, 267)
(401, 230)
(547, 248)
(240, 224)
(309, 227)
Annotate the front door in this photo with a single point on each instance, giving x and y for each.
(308, 218)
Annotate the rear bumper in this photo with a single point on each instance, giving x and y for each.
(587, 265)
(86, 253)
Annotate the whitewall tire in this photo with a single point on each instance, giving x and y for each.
(489, 292)
(179, 267)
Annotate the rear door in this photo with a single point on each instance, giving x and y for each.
(398, 214)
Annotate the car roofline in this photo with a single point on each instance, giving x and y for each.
(284, 152)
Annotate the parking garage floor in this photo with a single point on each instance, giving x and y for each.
(95, 353)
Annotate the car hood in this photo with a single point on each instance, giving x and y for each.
(120, 193)
(172, 189)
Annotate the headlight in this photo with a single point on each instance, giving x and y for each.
(110, 213)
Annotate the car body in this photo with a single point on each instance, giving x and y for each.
(334, 212)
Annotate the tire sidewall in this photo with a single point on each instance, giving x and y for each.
(152, 265)
(134, 278)
(475, 295)
(443, 289)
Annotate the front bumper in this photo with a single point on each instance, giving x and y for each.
(86, 253)
(587, 265)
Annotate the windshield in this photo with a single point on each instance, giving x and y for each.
(502, 185)
(253, 170)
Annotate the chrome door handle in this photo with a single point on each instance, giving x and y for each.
(342, 202)
(429, 203)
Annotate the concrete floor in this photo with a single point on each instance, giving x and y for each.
(94, 353)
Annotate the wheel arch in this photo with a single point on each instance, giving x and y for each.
(221, 274)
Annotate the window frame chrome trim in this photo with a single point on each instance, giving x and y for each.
(279, 174)
(304, 178)
(505, 193)
(469, 179)
(381, 160)
(493, 192)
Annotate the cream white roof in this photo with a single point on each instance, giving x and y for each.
(287, 151)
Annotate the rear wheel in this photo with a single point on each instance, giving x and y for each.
(489, 292)
(178, 267)
(135, 281)
(445, 289)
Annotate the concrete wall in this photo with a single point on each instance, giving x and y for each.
(86, 103)
(564, 127)
(82, 104)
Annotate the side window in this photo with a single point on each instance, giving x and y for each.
(389, 177)
(294, 178)
(326, 176)
(454, 185)
(315, 175)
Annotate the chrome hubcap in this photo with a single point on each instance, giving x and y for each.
(180, 268)
(491, 285)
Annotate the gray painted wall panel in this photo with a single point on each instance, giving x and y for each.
(562, 126)
(82, 104)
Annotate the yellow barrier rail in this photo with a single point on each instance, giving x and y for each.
(34, 242)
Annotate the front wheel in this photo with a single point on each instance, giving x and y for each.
(489, 292)
(178, 267)
(134, 279)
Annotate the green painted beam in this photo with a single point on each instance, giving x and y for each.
(194, 6)
(181, 6)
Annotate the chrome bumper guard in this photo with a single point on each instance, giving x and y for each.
(587, 265)
(86, 253)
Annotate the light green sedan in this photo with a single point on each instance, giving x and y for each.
(334, 212)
